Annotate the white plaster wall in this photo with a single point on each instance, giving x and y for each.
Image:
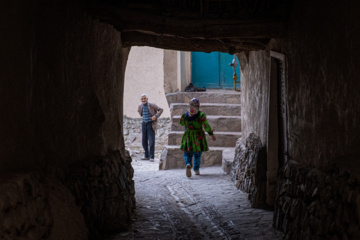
(254, 94)
(170, 71)
(144, 74)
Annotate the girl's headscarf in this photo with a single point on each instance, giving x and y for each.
(194, 105)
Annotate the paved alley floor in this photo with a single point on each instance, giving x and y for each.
(207, 206)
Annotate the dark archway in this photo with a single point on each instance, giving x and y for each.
(205, 26)
(62, 66)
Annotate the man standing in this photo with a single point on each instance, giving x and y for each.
(150, 112)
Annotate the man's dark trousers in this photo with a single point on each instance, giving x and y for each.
(148, 139)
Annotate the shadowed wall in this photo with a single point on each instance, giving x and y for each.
(319, 185)
(61, 105)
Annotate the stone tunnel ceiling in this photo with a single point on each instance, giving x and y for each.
(226, 26)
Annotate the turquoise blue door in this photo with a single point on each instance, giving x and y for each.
(212, 70)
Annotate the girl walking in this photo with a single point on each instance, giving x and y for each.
(193, 142)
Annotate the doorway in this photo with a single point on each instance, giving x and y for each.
(277, 137)
(212, 70)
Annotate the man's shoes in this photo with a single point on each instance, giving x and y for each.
(145, 158)
(190, 88)
(199, 89)
(188, 170)
(151, 159)
(197, 172)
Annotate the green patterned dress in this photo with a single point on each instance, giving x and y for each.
(194, 139)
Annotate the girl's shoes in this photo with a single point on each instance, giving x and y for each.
(188, 170)
(197, 172)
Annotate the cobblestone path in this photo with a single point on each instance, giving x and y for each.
(206, 206)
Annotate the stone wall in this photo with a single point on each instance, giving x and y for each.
(133, 135)
(315, 204)
(249, 170)
(85, 200)
(35, 205)
(61, 98)
(104, 189)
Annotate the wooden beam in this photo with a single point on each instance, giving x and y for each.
(132, 20)
(134, 38)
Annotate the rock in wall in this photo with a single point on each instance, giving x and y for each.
(249, 170)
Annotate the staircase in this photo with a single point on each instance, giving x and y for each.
(222, 108)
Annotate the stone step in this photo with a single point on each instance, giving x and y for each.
(219, 96)
(219, 109)
(172, 157)
(223, 139)
(217, 123)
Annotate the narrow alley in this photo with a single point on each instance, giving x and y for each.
(293, 127)
(208, 206)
